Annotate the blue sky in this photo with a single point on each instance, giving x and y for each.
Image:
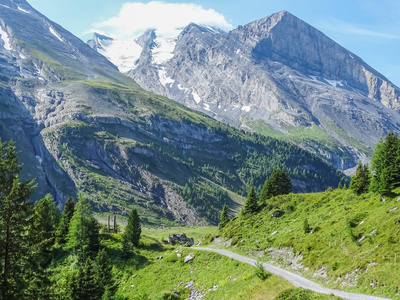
(369, 28)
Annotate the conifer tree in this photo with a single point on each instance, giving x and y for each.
(224, 217)
(81, 283)
(251, 205)
(14, 225)
(44, 222)
(386, 165)
(361, 180)
(103, 276)
(278, 184)
(131, 236)
(83, 229)
(66, 216)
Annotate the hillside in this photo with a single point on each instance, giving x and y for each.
(278, 76)
(352, 243)
(82, 126)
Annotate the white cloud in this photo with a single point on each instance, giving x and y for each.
(347, 28)
(166, 18)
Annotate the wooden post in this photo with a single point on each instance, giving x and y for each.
(115, 223)
(108, 224)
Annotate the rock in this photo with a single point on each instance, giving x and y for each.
(275, 232)
(132, 285)
(199, 243)
(178, 255)
(362, 223)
(383, 199)
(398, 199)
(372, 232)
(277, 214)
(393, 209)
(159, 258)
(189, 257)
(180, 239)
(379, 245)
(363, 238)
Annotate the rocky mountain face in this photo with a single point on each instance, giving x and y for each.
(278, 76)
(82, 126)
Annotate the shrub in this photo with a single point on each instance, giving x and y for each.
(260, 272)
(335, 266)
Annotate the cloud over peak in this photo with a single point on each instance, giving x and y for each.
(167, 18)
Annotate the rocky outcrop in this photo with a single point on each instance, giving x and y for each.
(180, 239)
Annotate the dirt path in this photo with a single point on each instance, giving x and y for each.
(293, 278)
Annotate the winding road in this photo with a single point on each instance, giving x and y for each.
(293, 278)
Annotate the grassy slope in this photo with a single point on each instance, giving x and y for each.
(144, 277)
(351, 234)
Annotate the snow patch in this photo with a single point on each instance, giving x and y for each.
(6, 39)
(237, 51)
(5, 6)
(207, 107)
(334, 83)
(163, 51)
(164, 79)
(196, 97)
(246, 108)
(182, 88)
(55, 33)
(123, 54)
(22, 56)
(25, 11)
(351, 56)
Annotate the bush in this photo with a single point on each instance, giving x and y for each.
(335, 266)
(260, 272)
(166, 295)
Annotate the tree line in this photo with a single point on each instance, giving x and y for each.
(32, 236)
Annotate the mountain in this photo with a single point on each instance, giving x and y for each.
(278, 76)
(81, 126)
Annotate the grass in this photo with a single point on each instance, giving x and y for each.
(351, 237)
(218, 277)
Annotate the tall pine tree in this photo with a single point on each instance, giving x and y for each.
(361, 180)
(63, 226)
(14, 216)
(131, 236)
(83, 232)
(251, 204)
(224, 217)
(278, 184)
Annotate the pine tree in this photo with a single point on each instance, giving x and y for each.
(63, 227)
(251, 205)
(306, 226)
(103, 276)
(81, 283)
(340, 186)
(131, 236)
(14, 224)
(83, 229)
(224, 217)
(44, 224)
(386, 165)
(278, 184)
(361, 180)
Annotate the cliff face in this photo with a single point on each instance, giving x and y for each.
(278, 76)
(82, 126)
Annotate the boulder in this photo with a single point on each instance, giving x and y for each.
(188, 258)
(181, 239)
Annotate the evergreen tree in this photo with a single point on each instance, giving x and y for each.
(14, 216)
(63, 227)
(340, 186)
(103, 276)
(251, 205)
(278, 184)
(131, 236)
(83, 229)
(361, 180)
(224, 217)
(81, 283)
(44, 224)
(306, 226)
